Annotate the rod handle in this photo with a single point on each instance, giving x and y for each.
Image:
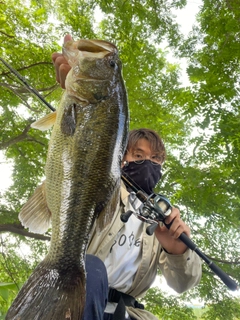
(229, 282)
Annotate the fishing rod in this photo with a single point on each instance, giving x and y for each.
(26, 84)
(157, 208)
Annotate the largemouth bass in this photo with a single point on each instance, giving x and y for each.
(82, 180)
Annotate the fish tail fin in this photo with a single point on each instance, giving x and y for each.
(51, 294)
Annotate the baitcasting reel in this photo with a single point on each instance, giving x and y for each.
(155, 208)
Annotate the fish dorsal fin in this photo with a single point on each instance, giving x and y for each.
(46, 122)
(35, 214)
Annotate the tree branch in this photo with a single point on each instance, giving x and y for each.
(236, 261)
(25, 90)
(29, 138)
(4, 33)
(27, 67)
(20, 89)
(19, 229)
(14, 140)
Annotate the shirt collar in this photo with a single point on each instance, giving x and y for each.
(124, 192)
(125, 195)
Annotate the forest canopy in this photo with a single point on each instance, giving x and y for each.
(198, 121)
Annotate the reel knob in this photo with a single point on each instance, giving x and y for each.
(126, 215)
(150, 229)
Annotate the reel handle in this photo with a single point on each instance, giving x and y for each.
(126, 215)
(151, 228)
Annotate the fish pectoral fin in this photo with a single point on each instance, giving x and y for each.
(35, 214)
(106, 215)
(46, 122)
(68, 123)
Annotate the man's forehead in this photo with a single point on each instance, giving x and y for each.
(137, 149)
(143, 145)
(142, 149)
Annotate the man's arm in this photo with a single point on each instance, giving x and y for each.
(181, 267)
(182, 272)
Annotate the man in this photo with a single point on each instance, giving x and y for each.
(123, 258)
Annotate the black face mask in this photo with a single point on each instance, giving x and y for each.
(146, 175)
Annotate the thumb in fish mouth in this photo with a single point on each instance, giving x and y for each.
(67, 38)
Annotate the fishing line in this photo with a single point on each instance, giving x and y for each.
(27, 85)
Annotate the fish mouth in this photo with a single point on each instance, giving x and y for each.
(95, 49)
(95, 46)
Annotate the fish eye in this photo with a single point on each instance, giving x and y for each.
(112, 63)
